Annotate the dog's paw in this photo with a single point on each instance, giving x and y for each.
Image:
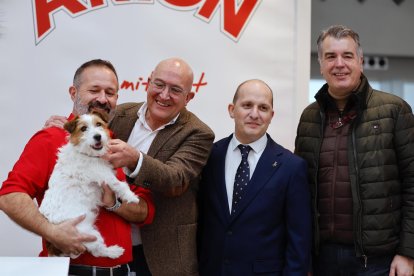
(130, 198)
(114, 251)
(134, 199)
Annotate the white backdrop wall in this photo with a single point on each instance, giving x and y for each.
(42, 42)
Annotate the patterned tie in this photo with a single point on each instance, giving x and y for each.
(242, 177)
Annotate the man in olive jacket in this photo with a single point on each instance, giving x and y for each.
(359, 145)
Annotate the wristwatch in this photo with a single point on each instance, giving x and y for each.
(115, 207)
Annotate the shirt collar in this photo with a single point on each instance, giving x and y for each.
(141, 117)
(258, 145)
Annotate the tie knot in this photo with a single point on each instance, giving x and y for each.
(244, 150)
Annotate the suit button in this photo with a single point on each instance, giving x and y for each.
(229, 233)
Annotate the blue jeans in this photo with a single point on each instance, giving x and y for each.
(340, 260)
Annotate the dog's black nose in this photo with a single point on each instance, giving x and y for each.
(97, 137)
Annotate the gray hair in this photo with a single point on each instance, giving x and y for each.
(338, 32)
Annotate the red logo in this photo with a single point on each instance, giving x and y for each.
(234, 14)
(141, 84)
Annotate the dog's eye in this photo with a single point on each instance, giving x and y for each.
(98, 124)
(83, 129)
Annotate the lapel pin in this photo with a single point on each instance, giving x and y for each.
(274, 164)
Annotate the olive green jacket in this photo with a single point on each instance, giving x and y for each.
(381, 169)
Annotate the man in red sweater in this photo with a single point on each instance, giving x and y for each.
(95, 85)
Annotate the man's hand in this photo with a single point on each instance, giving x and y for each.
(108, 196)
(402, 266)
(120, 154)
(66, 237)
(56, 121)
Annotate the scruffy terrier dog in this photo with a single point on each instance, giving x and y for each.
(75, 184)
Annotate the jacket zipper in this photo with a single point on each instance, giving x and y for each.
(358, 229)
(315, 203)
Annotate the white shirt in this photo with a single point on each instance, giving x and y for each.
(141, 138)
(233, 159)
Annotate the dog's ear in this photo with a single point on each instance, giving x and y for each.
(70, 126)
(101, 114)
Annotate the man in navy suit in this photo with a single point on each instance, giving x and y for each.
(265, 227)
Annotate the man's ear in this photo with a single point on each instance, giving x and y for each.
(230, 108)
(72, 92)
(190, 96)
(149, 79)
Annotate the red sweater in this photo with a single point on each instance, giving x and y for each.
(31, 174)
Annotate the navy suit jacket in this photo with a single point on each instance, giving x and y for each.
(270, 234)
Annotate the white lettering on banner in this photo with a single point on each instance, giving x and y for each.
(143, 83)
(235, 14)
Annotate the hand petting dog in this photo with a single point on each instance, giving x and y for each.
(121, 154)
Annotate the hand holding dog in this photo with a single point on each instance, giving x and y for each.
(120, 154)
(108, 196)
(66, 237)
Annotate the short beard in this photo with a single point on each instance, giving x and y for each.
(81, 109)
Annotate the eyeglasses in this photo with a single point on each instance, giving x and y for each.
(159, 87)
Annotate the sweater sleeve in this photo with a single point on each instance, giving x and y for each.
(404, 146)
(31, 172)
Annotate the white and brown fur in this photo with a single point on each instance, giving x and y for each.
(75, 184)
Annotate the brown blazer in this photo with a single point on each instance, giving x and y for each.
(171, 170)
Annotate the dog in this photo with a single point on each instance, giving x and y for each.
(75, 184)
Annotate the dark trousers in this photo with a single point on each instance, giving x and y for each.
(340, 260)
(139, 264)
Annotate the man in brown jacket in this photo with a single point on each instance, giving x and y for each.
(164, 147)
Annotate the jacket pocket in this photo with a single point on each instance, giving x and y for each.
(187, 247)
